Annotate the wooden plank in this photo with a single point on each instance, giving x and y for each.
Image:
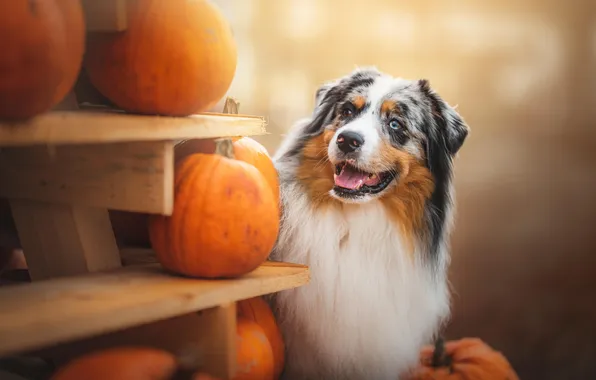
(207, 336)
(62, 240)
(105, 15)
(85, 127)
(127, 176)
(219, 340)
(50, 312)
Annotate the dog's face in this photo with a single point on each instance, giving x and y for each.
(381, 132)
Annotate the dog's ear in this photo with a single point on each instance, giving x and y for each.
(321, 92)
(326, 98)
(449, 123)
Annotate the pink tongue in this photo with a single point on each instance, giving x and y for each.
(349, 178)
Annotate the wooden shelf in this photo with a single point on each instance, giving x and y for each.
(85, 127)
(56, 311)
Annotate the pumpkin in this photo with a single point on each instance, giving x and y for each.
(250, 151)
(225, 219)
(130, 363)
(177, 57)
(42, 49)
(254, 355)
(257, 310)
(126, 363)
(245, 149)
(468, 358)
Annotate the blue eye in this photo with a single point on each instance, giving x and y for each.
(394, 124)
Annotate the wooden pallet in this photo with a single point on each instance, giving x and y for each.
(61, 173)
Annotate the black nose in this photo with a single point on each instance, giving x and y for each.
(349, 142)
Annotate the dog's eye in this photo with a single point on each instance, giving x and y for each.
(347, 110)
(394, 124)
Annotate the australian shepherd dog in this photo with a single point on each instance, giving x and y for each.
(367, 197)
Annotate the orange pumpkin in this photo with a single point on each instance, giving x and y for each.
(250, 151)
(468, 358)
(245, 149)
(176, 57)
(42, 49)
(225, 219)
(126, 363)
(255, 358)
(257, 310)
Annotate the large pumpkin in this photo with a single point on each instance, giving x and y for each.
(254, 355)
(225, 219)
(177, 57)
(42, 49)
(257, 310)
(468, 358)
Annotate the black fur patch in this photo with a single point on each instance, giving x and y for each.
(440, 126)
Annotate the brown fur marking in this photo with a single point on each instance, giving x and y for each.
(315, 171)
(388, 107)
(406, 202)
(359, 102)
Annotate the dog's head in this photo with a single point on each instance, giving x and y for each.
(372, 134)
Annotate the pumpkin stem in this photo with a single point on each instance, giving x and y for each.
(440, 357)
(224, 147)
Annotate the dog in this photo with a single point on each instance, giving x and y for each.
(367, 204)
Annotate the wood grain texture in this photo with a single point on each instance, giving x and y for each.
(105, 15)
(62, 240)
(56, 311)
(135, 176)
(86, 127)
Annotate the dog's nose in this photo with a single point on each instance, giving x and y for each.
(349, 141)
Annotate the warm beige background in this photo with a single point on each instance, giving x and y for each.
(523, 73)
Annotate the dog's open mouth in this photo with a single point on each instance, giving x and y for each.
(352, 181)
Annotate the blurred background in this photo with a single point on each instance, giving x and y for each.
(523, 74)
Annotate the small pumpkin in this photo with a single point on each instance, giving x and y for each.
(225, 219)
(257, 310)
(125, 363)
(254, 354)
(42, 49)
(176, 57)
(468, 358)
(130, 363)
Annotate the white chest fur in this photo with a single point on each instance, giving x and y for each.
(371, 302)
